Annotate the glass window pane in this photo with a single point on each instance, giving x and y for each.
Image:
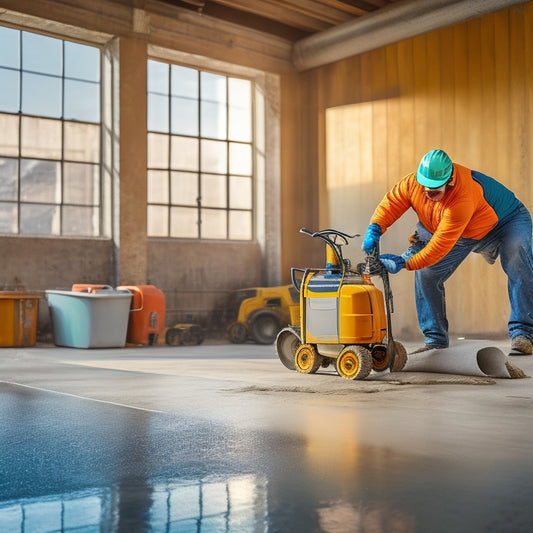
(8, 217)
(214, 190)
(81, 184)
(240, 225)
(8, 179)
(213, 120)
(40, 137)
(184, 116)
(240, 124)
(240, 109)
(214, 222)
(157, 151)
(158, 187)
(184, 82)
(214, 156)
(240, 159)
(80, 221)
(183, 153)
(42, 54)
(82, 101)
(184, 222)
(9, 47)
(41, 95)
(158, 112)
(9, 135)
(40, 181)
(184, 188)
(157, 223)
(239, 93)
(157, 77)
(81, 142)
(82, 62)
(240, 193)
(39, 219)
(9, 95)
(213, 87)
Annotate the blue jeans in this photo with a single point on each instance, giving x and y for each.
(511, 240)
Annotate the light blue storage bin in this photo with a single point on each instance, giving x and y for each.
(89, 319)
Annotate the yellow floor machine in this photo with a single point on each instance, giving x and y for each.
(343, 317)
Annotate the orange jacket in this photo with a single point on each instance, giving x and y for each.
(463, 212)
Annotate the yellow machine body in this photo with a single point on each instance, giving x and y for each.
(341, 310)
(344, 318)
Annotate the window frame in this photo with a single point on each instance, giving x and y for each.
(198, 171)
(90, 165)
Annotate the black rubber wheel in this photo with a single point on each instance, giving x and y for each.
(237, 333)
(380, 358)
(287, 342)
(173, 337)
(191, 337)
(400, 357)
(264, 328)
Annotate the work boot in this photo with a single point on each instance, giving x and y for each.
(426, 348)
(521, 345)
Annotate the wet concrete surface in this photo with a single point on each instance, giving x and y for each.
(223, 438)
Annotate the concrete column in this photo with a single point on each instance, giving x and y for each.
(131, 239)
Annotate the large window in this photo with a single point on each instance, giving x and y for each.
(49, 136)
(200, 154)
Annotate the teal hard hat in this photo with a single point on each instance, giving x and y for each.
(435, 169)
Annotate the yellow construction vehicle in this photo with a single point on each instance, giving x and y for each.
(258, 313)
(344, 318)
(186, 334)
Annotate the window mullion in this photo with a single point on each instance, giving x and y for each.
(200, 181)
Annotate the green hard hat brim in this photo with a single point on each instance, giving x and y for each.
(431, 184)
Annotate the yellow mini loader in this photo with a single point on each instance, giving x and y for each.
(344, 318)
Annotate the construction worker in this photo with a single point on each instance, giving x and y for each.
(459, 211)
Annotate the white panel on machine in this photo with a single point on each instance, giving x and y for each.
(322, 317)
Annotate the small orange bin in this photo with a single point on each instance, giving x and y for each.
(147, 314)
(18, 318)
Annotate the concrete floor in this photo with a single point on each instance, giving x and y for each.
(223, 438)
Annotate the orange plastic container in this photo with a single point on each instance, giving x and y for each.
(147, 314)
(18, 318)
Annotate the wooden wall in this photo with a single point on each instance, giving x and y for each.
(467, 89)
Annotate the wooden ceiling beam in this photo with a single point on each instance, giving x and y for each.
(303, 14)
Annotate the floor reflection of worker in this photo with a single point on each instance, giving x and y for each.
(459, 211)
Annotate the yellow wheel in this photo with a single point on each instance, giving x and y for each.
(400, 357)
(354, 362)
(306, 359)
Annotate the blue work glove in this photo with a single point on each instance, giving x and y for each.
(373, 233)
(393, 263)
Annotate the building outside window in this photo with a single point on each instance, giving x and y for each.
(200, 154)
(50, 136)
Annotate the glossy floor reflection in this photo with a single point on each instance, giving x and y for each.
(76, 465)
